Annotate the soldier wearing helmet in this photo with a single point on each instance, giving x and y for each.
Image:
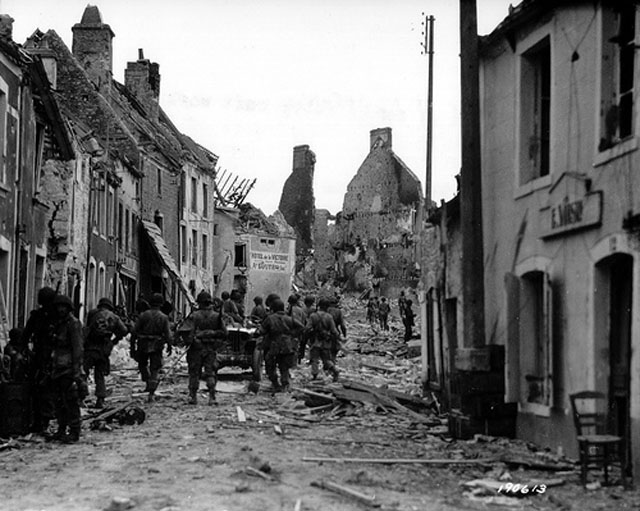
(323, 335)
(203, 331)
(66, 373)
(38, 332)
(104, 330)
(280, 333)
(151, 333)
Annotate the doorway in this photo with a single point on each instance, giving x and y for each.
(614, 301)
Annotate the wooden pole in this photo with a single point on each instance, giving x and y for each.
(471, 181)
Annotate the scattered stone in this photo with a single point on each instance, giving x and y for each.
(120, 504)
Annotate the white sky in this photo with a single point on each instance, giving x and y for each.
(250, 79)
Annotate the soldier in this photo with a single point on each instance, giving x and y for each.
(203, 330)
(322, 332)
(258, 313)
(296, 312)
(38, 332)
(280, 332)
(402, 303)
(18, 357)
(150, 334)
(408, 320)
(104, 330)
(309, 308)
(230, 309)
(67, 380)
(383, 313)
(338, 319)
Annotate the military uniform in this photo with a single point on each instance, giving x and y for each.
(38, 331)
(280, 346)
(322, 335)
(104, 329)
(66, 370)
(338, 319)
(204, 330)
(150, 334)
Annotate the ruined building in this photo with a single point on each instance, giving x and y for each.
(151, 215)
(33, 133)
(297, 203)
(375, 229)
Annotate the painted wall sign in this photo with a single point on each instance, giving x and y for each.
(269, 261)
(571, 213)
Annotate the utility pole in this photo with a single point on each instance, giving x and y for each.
(428, 24)
(471, 181)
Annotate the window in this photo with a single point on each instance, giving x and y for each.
(183, 243)
(530, 315)
(158, 219)
(215, 229)
(37, 158)
(194, 252)
(110, 222)
(3, 129)
(205, 200)
(120, 227)
(127, 231)
(535, 112)
(194, 195)
(617, 72)
(159, 182)
(240, 256)
(205, 251)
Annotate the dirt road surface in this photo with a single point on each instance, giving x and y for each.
(191, 458)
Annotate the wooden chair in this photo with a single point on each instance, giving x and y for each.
(597, 449)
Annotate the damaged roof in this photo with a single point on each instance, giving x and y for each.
(120, 120)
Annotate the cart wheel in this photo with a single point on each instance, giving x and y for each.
(257, 364)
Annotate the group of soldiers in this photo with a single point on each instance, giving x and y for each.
(55, 354)
(378, 310)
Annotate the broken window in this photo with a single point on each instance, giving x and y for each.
(183, 243)
(535, 112)
(617, 75)
(240, 258)
(205, 251)
(159, 182)
(530, 351)
(194, 195)
(205, 200)
(3, 128)
(194, 251)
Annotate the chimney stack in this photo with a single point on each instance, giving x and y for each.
(6, 27)
(93, 49)
(380, 133)
(142, 78)
(37, 45)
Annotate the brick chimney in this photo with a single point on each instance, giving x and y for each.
(93, 49)
(383, 134)
(142, 78)
(6, 27)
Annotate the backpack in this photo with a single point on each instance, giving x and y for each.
(100, 327)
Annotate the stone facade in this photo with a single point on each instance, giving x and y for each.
(297, 202)
(376, 227)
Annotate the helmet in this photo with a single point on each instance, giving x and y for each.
(324, 303)
(46, 295)
(277, 305)
(204, 297)
(105, 302)
(156, 300)
(63, 300)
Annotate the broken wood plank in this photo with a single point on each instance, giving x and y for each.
(298, 505)
(534, 464)
(241, 415)
(369, 500)
(258, 473)
(328, 399)
(109, 413)
(401, 397)
(392, 461)
(379, 368)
